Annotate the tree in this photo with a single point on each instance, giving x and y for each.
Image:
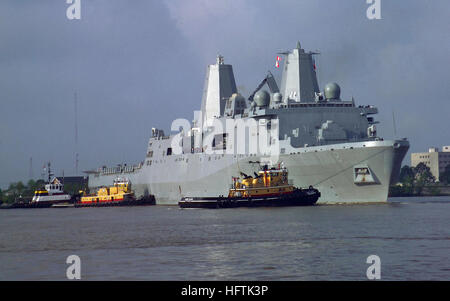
(18, 190)
(422, 173)
(12, 187)
(407, 179)
(422, 177)
(20, 187)
(406, 174)
(40, 184)
(31, 184)
(31, 187)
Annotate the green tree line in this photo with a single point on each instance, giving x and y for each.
(413, 180)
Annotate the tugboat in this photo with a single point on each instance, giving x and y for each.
(269, 188)
(120, 194)
(52, 193)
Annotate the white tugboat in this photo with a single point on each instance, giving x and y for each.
(52, 193)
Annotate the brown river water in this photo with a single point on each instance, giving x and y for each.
(411, 236)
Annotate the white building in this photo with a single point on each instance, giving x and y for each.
(434, 159)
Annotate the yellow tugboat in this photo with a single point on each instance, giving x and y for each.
(269, 187)
(266, 183)
(120, 194)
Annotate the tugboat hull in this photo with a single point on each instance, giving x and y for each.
(300, 197)
(144, 201)
(30, 205)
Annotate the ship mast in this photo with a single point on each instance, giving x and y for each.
(50, 174)
(76, 134)
(299, 79)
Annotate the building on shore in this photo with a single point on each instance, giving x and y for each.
(436, 160)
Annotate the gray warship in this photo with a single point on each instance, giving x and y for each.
(324, 141)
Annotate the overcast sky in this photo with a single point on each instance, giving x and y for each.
(141, 64)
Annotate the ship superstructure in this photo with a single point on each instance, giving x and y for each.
(323, 140)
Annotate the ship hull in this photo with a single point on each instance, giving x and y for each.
(127, 201)
(328, 168)
(52, 199)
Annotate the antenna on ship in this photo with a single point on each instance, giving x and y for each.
(316, 62)
(50, 174)
(76, 135)
(76, 164)
(43, 171)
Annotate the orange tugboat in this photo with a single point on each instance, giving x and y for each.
(273, 182)
(269, 187)
(120, 194)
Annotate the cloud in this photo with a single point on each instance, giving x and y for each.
(140, 64)
(394, 63)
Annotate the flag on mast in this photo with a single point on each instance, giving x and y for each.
(277, 62)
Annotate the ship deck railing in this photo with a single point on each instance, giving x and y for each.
(119, 169)
(318, 104)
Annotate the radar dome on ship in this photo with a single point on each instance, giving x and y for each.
(237, 97)
(277, 97)
(332, 91)
(262, 98)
